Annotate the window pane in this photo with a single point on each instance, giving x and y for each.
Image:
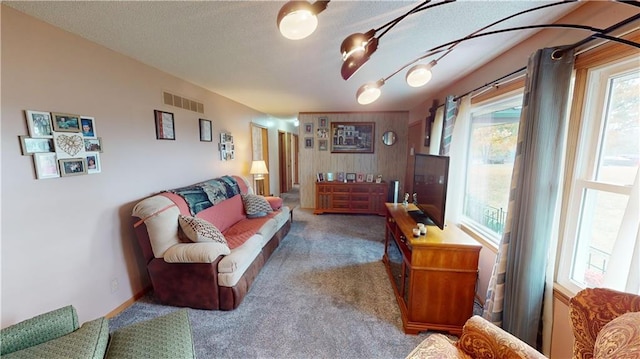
(600, 219)
(492, 147)
(621, 149)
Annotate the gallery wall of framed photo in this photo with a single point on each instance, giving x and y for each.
(61, 144)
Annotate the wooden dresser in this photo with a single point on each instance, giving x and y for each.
(353, 197)
(433, 276)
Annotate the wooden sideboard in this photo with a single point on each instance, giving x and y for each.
(353, 197)
(433, 276)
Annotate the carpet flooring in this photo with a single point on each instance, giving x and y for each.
(324, 293)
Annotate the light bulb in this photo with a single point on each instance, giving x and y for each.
(369, 92)
(297, 20)
(419, 75)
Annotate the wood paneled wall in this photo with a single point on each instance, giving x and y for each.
(389, 161)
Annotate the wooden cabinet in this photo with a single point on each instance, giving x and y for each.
(359, 197)
(433, 276)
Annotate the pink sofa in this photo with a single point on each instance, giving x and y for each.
(207, 275)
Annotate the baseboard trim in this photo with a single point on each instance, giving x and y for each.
(128, 303)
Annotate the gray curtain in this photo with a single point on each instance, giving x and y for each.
(516, 289)
(450, 113)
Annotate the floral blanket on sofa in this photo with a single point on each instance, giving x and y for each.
(203, 195)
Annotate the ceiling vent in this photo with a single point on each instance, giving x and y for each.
(182, 102)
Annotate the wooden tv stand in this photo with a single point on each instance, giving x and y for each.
(433, 276)
(351, 197)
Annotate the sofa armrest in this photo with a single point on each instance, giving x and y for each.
(39, 329)
(481, 338)
(591, 309)
(201, 252)
(88, 342)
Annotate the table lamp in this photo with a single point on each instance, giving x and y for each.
(258, 170)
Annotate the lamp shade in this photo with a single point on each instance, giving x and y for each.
(369, 92)
(258, 168)
(297, 19)
(419, 75)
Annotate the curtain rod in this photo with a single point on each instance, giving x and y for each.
(582, 42)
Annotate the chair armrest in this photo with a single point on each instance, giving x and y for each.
(481, 338)
(39, 329)
(201, 252)
(591, 309)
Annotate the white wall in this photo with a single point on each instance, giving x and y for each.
(65, 240)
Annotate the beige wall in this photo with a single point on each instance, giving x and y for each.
(390, 161)
(65, 240)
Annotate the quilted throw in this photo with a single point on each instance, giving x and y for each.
(203, 195)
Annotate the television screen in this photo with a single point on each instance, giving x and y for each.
(430, 179)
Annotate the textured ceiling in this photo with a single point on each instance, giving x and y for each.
(233, 48)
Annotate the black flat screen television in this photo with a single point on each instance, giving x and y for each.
(430, 177)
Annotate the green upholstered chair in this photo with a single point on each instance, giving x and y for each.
(57, 334)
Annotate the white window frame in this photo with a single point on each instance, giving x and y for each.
(495, 103)
(582, 170)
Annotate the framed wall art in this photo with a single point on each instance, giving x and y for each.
(65, 122)
(68, 145)
(46, 165)
(39, 124)
(352, 137)
(88, 127)
(308, 128)
(206, 133)
(226, 147)
(93, 162)
(30, 145)
(323, 122)
(72, 167)
(165, 129)
(93, 144)
(323, 145)
(308, 142)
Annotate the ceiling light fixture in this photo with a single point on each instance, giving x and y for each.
(369, 92)
(297, 19)
(419, 75)
(597, 33)
(357, 48)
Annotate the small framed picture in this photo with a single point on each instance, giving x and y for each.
(30, 145)
(72, 167)
(206, 134)
(322, 122)
(323, 133)
(340, 176)
(330, 177)
(165, 129)
(65, 122)
(39, 124)
(46, 165)
(323, 145)
(93, 162)
(68, 145)
(88, 127)
(370, 177)
(308, 128)
(379, 179)
(350, 177)
(93, 144)
(308, 142)
(360, 177)
(320, 177)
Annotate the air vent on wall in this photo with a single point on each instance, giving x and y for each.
(182, 102)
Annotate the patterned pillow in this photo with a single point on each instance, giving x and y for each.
(199, 230)
(255, 206)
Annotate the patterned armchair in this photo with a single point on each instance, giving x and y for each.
(480, 339)
(606, 324)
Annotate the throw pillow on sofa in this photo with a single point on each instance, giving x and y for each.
(256, 206)
(199, 230)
